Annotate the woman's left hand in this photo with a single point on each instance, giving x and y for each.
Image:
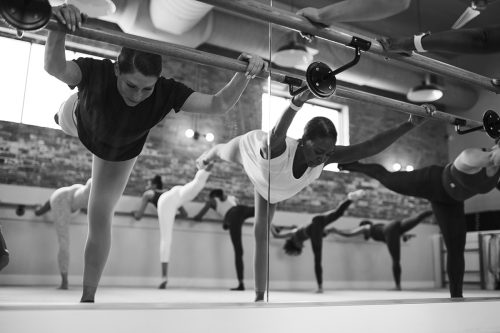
(255, 64)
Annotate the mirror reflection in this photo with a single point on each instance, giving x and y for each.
(211, 149)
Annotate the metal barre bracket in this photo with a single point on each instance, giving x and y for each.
(362, 44)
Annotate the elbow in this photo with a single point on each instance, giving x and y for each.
(220, 106)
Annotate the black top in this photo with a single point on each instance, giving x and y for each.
(156, 196)
(462, 186)
(108, 127)
(377, 232)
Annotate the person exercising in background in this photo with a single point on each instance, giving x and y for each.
(482, 40)
(233, 215)
(315, 231)
(4, 253)
(169, 202)
(390, 234)
(293, 164)
(474, 171)
(154, 190)
(65, 203)
(354, 11)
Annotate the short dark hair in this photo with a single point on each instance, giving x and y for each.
(320, 127)
(148, 64)
(156, 181)
(217, 193)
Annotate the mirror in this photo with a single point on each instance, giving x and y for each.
(182, 229)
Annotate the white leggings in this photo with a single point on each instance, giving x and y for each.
(169, 202)
(60, 205)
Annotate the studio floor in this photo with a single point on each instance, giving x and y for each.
(45, 309)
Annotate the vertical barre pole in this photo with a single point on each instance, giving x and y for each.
(281, 17)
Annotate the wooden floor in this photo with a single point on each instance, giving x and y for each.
(45, 309)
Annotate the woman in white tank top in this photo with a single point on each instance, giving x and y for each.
(294, 164)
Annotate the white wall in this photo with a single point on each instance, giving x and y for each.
(202, 254)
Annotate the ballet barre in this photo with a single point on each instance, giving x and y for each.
(282, 76)
(335, 34)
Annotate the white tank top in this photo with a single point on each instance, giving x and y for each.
(283, 184)
(223, 206)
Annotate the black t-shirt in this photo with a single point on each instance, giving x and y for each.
(377, 232)
(108, 127)
(156, 196)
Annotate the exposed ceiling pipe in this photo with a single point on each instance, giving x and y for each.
(182, 16)
(135, 17)
(243, 34)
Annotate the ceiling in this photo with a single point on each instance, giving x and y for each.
(435, 15)
(229, 34)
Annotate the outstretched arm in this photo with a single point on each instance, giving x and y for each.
(483, 40)
(278, 234)
(227, 97)
(412, 221)
(374, 145)
(355, 11)
(229, 152)
(347, 233)
(209, 204)
(338, 212)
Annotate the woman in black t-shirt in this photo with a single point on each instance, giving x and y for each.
(116, 106)
(390, 234)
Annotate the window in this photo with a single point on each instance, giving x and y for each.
(338, 114)
(29, 95)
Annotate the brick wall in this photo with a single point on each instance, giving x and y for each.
(43, 157)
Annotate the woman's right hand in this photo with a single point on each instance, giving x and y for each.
(202, 161)
(69, 15)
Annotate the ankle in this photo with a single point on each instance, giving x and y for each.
(88, 294)
(259, 296)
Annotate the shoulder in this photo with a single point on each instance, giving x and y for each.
(92, 62)
(172, 85)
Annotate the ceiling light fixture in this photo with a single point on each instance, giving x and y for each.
(190, 133)
(428, 91)
(293, 54)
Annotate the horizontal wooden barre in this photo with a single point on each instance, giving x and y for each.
(332, 33)
(206, 58)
